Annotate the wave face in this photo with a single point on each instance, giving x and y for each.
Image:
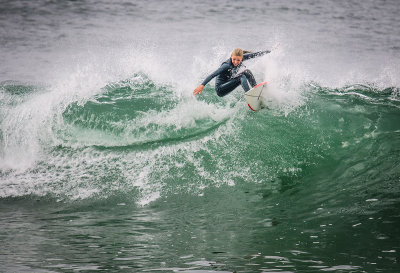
(155, 140)
(326, 156)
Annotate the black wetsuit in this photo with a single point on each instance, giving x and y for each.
(228, 77)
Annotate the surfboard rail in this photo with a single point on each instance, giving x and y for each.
(253, 96)
(261, 83)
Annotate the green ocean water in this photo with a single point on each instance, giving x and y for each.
(135, 179)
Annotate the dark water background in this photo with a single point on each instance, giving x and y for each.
(108, 163)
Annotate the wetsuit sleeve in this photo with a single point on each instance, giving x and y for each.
(224, 67)
(256, 54)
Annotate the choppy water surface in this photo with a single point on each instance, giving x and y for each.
(108, 163)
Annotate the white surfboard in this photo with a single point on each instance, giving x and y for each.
(253, 96)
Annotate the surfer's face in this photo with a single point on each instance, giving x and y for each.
(236, 60)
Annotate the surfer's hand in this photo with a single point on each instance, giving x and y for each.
(198, 90)
(275, 47)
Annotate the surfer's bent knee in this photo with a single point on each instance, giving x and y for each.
(220, 93)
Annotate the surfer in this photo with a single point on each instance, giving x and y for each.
(229, 74)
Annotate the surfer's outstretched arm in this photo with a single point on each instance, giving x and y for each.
(254, 55)
(224, 67)
(259, 53)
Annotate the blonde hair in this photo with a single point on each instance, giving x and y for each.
(239, 52)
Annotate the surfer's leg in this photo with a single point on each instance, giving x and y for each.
(241, 79)
(245, 85)
(250, 77)
(226, 88)
(247, 76)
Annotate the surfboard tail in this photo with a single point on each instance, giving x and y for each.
(253, 96)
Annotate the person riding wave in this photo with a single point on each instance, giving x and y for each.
(229, 74)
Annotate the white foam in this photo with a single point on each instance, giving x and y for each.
(285, 82)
